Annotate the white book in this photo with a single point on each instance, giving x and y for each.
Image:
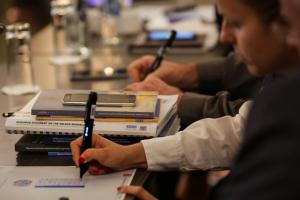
(23, 122)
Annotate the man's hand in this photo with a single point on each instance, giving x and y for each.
(136, 191)
(139, 68)
(179, 75)
(106, 155)
(153, 83)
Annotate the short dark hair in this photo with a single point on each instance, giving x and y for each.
(268, 10)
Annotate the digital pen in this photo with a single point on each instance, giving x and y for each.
(88, 128)
(162, 51)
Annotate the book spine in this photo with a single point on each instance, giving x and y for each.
(103, 133)
(51, 118)
(59, 154)
(98, 114)
(74, 113)
(76, 128)
(137, 115)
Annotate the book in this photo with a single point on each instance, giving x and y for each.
(59, 143)
(142, 45)
(23, 122)
(62, 118)
(55, 145)
(115, 119)
(49, 103)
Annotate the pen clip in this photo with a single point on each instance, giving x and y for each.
(93, 111)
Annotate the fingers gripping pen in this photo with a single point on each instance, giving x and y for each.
(88, 128)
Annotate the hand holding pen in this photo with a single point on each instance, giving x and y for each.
(162, 51)
(87, 138)
(88, 128)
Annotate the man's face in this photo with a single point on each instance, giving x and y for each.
(253, 40)
(290, 10)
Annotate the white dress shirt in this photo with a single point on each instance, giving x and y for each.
(205, 144)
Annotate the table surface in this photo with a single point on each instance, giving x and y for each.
(48, 76)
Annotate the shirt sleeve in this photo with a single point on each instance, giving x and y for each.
(205, 144)
(193, 107)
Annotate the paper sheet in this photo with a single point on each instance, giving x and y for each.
(96, 187)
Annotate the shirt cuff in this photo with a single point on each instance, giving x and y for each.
(163, 153)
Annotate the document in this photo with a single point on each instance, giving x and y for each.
(24, 183)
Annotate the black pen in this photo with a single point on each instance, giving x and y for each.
(2, 28)
(7, 114)
(161, 51)
(88, 128)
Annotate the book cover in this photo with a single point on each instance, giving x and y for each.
(49, 103)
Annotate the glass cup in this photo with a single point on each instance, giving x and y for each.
(20, 78)
(69, 34)
(110, 14)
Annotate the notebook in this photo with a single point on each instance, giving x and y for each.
(49, 103)
(35, 183)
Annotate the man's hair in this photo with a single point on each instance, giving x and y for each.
(268, 10)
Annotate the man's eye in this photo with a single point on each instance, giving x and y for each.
(233, 24)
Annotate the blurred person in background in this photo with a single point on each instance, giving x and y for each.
(35, 12)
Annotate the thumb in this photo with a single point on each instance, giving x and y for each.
(92, 154)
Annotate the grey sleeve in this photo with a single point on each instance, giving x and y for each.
(211, 72)
(193, 107)
(225, 84)
(227, 73)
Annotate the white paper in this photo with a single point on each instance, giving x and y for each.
(96, 187)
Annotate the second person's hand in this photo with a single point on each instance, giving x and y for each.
(153, 83)
(137, 191)
(179, 75)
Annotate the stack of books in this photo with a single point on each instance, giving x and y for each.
(49, 125)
